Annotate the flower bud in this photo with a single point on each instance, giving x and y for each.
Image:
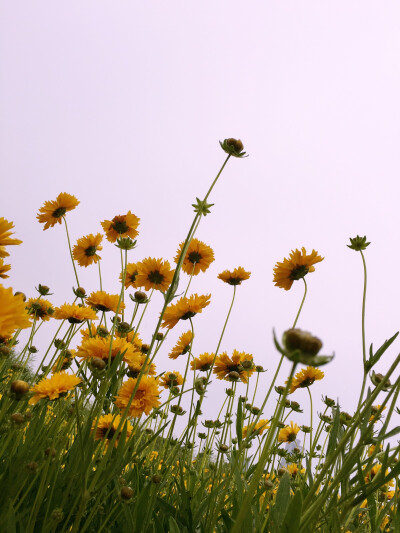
(32, 466)
(268, 484)
(123, 327)
(223, 448)
(159, 336)
(145, 348)
(5, 351)
(43, 290)
(202, 435)
(59, 344)
(19, 388)
(208, 424)
(280, 390)
(80, 292)
(255, 410)
(32, 349)
(233, 147)
(259, 368)
(233, 376)
(230, 392)
(247, 364)
(282, 471)
(126, 493)
(177, 410)
(102, 332)
(17, 418)
(328, 401)
(305, 429)
(297, 339)
(21, 294)
(156, 479)
(140, 297)
(377, 379)
(57, 515)
(97, 364)
(358, 243)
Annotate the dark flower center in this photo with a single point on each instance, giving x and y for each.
(188, 314)
(132, 277)
(59, 212)
(120, 226)
(299, 272)
(235, 281)
(73, 320)
(100, 307)
(155, 277)
(291, 437)
(307, 382)
(109, 432)
(91, 250)
(185, 349)
(194, 257)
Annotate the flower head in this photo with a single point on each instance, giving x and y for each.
(13, 314)
(203, 362)
(135, 363)
(86, 248)
(198, 257)
(145, 399)
(296, 267)
(154, 274)
(5, 234)
(75, 314)
(225, 365)
(53, 210)
(182, 346)
(288, 433)
(58, 385)
(184, 308)
(39, 309)
(130, 275)
(305, 378)
(100, 347)
(255, 429)
(102, 301)
(171, 379)
(121, 226)
(234, 277)
(233, 147)
(358, 243)
(107, 426)
(3, 269)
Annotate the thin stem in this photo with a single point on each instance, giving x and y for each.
(311, 420)
(70, 251)
(101, 281)
(301, 305)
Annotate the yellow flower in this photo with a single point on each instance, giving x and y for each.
(39, 309)
(5, 233)
(89, 334)
(75, 314)
(121, 226)
(288, 433)
(240, 363)
(58, 385)
(133, 337)
(184, 308)
(305, 378)
(198, 257)
(102, 301)
(182, 346)
(296, 267)
(171, 379)
(64, 361)
(255, 429)
(293, 469)
(107, 426)
(130, 276)
(145, 399)
(374, 413)
(53, 210)
(13, 314)
(135, 363)
(91, 347)
(154, 274)
(86, 248)
(234, 277)
(203, 362)
(3, 269)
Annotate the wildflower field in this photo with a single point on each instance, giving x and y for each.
(96, 438)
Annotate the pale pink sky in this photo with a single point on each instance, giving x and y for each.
(123, 103)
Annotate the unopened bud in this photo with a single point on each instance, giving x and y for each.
(17, 418)
(140, 297)
(233, 376)
(126, 493)
(19, 388)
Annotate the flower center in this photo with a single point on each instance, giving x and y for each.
(109, 432)
(132, 277)
(194, 257)
(155, 277)
(291, 437)
(307, 382)
(235, 281)
(91, 250)
(120, 226)
(188, 314)
(299, 272)
(59, 212)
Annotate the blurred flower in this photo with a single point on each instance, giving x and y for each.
(203, 362)
(184, 308)
(107, 426)
(145, 398)
(86, 248)
(171, 379)
(13, 314)
(154, 274)
(288, 433)
(305, 378)
(224, 365)
(39, 309)
(234, 277)
(121, 225)
(130, 275)
(75, 314)
(198, 257)
(102, 301)
(296, 267)
(58, 385)
(5, 234)
(53, 211)
(255, 429)
(3, 269)
(182, 346)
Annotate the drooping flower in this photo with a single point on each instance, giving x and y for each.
(145, 399)
(240, 363)
(130, 276)
(86, 248)
(203, 362)
(234, 277)
(295, 267)
(256, 429)
(154, 274)
(182, 346)
(3, 269)
(121, 226)
(5, 234)
(107, 426)
(102, 301)
(171, 379)
(184, 309)
(53, 210)
(305, 378)
(13, 314)
(54, 387)
(198, 258)
(288, 433)
(75, 314)
(92, 347)
(40, 309)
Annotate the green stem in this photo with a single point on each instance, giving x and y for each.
(301, 305)
(70, 251)
(311, 420)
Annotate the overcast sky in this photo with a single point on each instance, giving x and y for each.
(123, 103)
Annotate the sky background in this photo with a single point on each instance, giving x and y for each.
(122, 104)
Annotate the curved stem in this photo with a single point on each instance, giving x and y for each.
(301, 305)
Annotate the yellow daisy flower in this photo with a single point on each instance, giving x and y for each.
(13, 314)
(305, 378)
(130, 276)
(135, 362)
(5, 234)
(294, 469)
(75, 314)
(3, 269)
(64, 361)
(145, 399)
(53, 210)
(40, 309)
(154, 274)
(198, 257)
(107, 426)
(240, 363)
(133, 337)
(296, 267)
(102, 301)
(184, 309)
(203, 362)
(288, 433)
(86, 248)
(234, 277)
(121, 226)
(86, 333)
(182, 346)
(171, 379)
(99, 347)
(256, 429)
(58, 385)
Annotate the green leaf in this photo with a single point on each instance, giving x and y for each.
(334, 433)
(373, 359)
(173, 526)
(141, 506)
(279, 510)
(239, 422)
(291, 523)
